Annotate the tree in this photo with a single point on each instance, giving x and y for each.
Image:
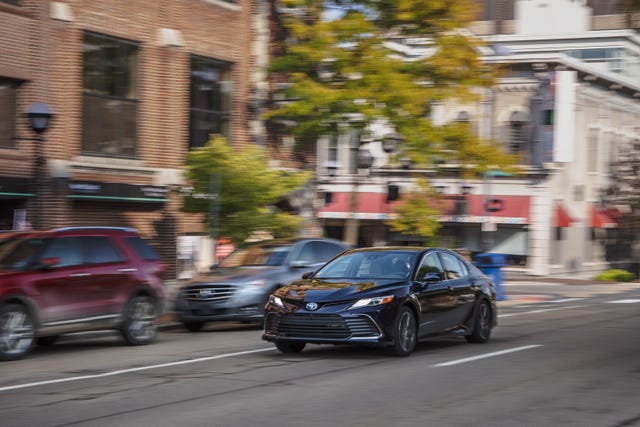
(344, 67)
(416, 213)
(249, 191)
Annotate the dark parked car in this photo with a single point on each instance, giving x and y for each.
(390, 296)
(76, 279)
(239, 288)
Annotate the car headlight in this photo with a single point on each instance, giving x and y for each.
(254, 285)
(370, 302)
(277, 301)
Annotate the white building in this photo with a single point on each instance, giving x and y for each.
(567, 106)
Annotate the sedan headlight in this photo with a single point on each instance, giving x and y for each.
(370, 302)
(254, 285)
(277, 301)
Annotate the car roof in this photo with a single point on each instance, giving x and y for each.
(292, 240)
(69, 231)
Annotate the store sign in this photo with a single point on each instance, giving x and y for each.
(112, 191)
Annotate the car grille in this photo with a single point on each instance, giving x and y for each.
(213, 292)
(321, 326)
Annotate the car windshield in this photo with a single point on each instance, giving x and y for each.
(262, 254)
(396, 264)
(16, 253)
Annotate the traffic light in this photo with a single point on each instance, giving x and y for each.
(393, 192)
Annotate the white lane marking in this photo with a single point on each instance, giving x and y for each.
(485, 356)
(529, 284)
(566, 300)
(624, 301)
(540, 311)
(126, 371)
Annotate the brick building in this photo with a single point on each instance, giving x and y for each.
(133, 85)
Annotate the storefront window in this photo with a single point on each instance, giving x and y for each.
(110, 96)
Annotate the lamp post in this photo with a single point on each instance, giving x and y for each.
(364, 160)
(39, 115)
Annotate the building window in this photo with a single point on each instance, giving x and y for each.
(210, 100)
(8, 91)
(109, 96)
(516, 142)
(592, 150)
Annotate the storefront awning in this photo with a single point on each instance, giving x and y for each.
(601, 219)
(15, 188)
(562, 217)
(364, 206)
(515, 209)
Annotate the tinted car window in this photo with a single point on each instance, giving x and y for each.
(68, 250)
(374, 264)
(315, 252)
(141, 247)
(264, 254)
(16, 254)
(100, 250)
(430, 264)
(453, 268)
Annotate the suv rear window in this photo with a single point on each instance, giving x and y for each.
(141, 248)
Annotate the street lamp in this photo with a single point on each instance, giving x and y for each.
(39, 115)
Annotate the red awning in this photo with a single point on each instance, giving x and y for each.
(364, 205)
(600, 219)
(563, 219)
(515, 209)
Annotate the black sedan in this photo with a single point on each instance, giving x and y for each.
(388, 296)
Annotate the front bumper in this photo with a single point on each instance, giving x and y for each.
(201, 311)
(322, 328)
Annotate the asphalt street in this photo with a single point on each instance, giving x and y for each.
(563, 354)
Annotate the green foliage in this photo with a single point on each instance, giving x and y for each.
(345, 66)
(615, 276)
(248, 192)
(416, 212)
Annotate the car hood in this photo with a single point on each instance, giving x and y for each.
(233, 275)
(334, 290)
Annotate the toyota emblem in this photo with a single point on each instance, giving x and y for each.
(312, 306)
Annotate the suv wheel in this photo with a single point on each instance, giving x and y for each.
(16, 331)
(139, 320)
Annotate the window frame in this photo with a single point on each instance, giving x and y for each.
(113, 94)
(202, 113)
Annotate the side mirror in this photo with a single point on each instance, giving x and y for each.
(49, 262)
(307, 274)
(300, 264)
(432, 277)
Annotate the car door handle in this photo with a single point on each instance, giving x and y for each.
(81, 275)
(127, 270)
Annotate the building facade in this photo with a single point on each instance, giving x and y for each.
(566, 106)
(133, 86)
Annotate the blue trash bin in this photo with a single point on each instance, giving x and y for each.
(491, 264)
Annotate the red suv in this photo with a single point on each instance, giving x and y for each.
(77, 279)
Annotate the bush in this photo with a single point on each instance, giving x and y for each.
(615, 276)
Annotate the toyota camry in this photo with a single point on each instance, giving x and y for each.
(387, 296)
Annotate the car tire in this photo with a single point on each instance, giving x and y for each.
(48, 340)
(290, 347)
(193, 326)
(17, 331)
(481, 324)
(405, 333)
(139, 325)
